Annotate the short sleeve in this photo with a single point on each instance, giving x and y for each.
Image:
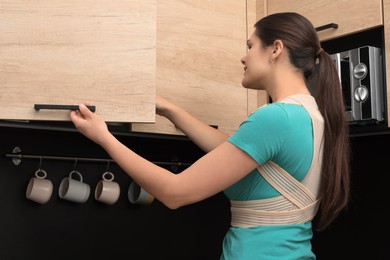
(263, 133)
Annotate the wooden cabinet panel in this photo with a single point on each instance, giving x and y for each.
(69, 51)
(386, 19)
(351, 15)
(256, 11)
(251, 20)
(199, 47)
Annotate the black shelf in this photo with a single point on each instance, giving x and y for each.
(380, 128)
(117, 129)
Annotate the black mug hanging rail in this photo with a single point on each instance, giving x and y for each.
(61, 107)
(17, 157)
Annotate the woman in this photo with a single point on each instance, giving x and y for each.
(287, 161)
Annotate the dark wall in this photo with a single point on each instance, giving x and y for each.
(361, 232)
(63, 230)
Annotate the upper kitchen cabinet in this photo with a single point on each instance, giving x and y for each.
(70, 51)
(351, 16)
(199, 48)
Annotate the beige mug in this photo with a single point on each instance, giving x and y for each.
(137, 195)
(107, 190)
(39, 188)
(74, 190)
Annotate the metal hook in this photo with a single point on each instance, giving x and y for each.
(108, 165)
(75, 163)
(40, 163)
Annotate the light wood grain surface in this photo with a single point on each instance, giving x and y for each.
(69, 51)
(386, 20)
(199, 47)
(351, 15)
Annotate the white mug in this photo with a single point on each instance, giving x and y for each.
(74, 190)
(107, 190)
(137, 195)
(39, 188)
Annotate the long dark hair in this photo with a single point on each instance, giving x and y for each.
(300, 38)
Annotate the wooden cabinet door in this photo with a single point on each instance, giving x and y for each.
(350, 15)
(70, 51)
(199, 48)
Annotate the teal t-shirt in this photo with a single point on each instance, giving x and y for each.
(281, 133)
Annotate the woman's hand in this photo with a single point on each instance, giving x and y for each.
(162, 106)
(89, 124)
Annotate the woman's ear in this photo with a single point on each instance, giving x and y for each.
(277, 48)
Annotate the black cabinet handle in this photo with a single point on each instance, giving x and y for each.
(327, 26)
(61, 107)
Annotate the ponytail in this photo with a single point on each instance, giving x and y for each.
(335, 183)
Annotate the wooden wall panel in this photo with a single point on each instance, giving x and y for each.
(250, 22)
(386, 21)
(256, 11)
